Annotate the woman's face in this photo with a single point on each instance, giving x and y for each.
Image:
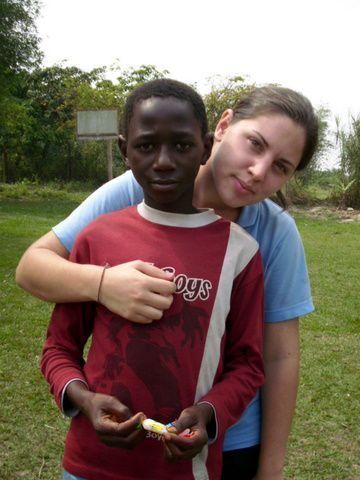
(253, 158)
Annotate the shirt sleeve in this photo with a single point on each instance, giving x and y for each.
(121, 192)
(287, 285)
(243, 370)
(70, 327)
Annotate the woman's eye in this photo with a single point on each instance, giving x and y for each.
(255, 143)
(281, 168)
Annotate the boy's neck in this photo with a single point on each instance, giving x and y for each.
(181, 209)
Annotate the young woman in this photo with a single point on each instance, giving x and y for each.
(257, 147)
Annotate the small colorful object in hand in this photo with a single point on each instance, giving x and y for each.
(153, 426)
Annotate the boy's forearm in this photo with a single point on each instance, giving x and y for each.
(45, 272)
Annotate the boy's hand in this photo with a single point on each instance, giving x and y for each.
(191, 433)
(112, 421)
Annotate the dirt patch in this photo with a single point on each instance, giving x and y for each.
(348, 215)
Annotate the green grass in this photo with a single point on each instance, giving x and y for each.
(325, 440)
(324, 444)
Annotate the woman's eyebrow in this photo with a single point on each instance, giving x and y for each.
(262, 138)
(288, 162)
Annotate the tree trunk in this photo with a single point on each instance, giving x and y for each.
(5, 167)
(70, 162)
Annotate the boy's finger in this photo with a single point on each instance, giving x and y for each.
(122, 441)
(114, 425)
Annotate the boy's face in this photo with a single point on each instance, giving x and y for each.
(165, 149)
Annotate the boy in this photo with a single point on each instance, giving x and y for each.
(201, 363)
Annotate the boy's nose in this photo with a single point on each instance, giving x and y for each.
(163, 160)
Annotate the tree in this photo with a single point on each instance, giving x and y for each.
(19, 42)
(54, 94)
(19, 52)
(53, 98)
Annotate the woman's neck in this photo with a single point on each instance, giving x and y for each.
(206, 195)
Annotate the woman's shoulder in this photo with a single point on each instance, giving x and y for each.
(267, 217)
(120, 190)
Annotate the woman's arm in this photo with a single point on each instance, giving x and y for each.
(45, 272)
(136, 290)
(281, 357)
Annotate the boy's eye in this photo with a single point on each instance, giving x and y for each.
(146, 147)
(182, 146)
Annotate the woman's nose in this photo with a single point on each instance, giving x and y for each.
(259, 168)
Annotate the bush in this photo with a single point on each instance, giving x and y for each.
(32, 190)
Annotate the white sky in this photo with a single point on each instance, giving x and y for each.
(309, 45)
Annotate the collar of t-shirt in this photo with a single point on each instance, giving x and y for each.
(204, 217)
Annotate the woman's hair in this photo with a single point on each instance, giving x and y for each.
(279, 100)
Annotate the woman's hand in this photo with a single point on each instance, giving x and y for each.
(137, 291)
(112, 421)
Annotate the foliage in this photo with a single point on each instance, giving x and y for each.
(349, 183)
(341, 189)
(34, 190)
(324, 145)
(323, 187)
(15, 126)
(19, 43)
(224, 93)
(105, 93)
(19, 52)
(39, 130)
(53, 98)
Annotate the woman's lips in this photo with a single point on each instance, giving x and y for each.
(243, 187)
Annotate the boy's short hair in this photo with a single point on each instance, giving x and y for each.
(163, 88)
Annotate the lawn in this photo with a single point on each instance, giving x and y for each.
(324, 443)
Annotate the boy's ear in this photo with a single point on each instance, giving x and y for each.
(123, 149)
(208, 144)
(223, 124)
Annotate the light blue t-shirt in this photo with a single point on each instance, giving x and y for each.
(287, 288)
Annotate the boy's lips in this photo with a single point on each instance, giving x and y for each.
(163, 184)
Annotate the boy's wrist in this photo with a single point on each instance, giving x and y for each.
(78, 394)
(207, 412)
(209, 418)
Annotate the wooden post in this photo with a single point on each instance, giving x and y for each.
(109, 159)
